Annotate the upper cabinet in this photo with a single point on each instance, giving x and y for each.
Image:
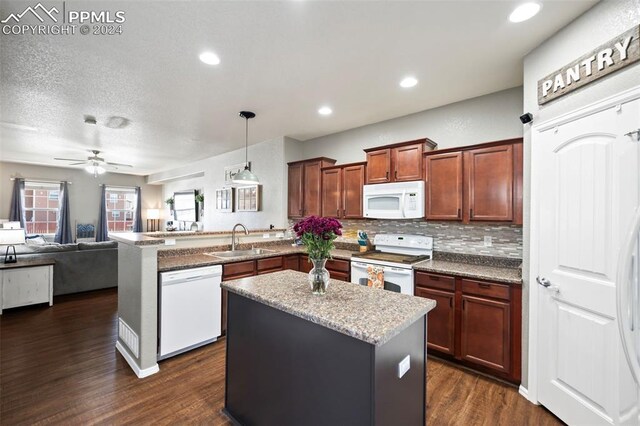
(305, 187)
(342, 191)
(489, 173)
(444, 186)
(397, 163)
(476, 183)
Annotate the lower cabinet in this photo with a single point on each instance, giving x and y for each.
(339, 270)
(475, 323)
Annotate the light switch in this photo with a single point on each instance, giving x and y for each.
(404, 366)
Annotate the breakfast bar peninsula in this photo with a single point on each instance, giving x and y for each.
(356, 355)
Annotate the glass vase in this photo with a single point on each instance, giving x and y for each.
(319, 276)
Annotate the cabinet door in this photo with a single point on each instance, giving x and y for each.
(312, 196)
(490, 183)
(441, 320)
(379, 166)
(268, 265)
(485, 331)
(305, 264)
(25, 286)
(332, 192)
(444, 186)
(352, 183)
(295, 182)
(292, 262)
(407, 163)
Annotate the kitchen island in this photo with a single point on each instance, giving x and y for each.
(354, 356)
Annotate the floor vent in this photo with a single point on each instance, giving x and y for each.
(128, 337)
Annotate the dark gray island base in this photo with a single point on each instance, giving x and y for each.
(298, 359)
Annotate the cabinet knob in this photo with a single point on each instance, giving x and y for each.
(470, 213)
(459, 213)
(387, 175)
(395, 174)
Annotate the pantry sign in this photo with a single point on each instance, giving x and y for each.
(606, 59)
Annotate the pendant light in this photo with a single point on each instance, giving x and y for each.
(246, 177)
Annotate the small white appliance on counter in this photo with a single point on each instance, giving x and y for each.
(399, 200)
(396, 254)
(190, 309)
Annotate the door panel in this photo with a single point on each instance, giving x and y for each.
(379, 166)
(444, 186)
(353, 180)
(407, 161)
(312, 189)
(441, 323)
(331, 192)
(490, 183)
(295, 191)
(588, 188)
(485, 331)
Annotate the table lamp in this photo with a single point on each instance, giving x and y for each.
(153, 220)
(9, 238)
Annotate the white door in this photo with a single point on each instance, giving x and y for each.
(587, 189)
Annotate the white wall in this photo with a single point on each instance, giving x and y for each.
(483, 119)
(84, 193)
(601, 23)
(268, 162)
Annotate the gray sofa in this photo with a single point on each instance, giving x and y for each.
(79, 267)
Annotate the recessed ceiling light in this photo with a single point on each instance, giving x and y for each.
(325, 110)
(524, 11)
(209, 58)
(408, 82)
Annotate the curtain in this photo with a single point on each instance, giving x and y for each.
(16, 209)
(102, 233)
(137, 224)
(63, 234)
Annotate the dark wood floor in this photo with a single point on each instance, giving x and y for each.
(58, 365)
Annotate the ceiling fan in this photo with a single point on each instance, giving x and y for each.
(94, 163)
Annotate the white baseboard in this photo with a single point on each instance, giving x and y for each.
(141, 373)
(525, 393)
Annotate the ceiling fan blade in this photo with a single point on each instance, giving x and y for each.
(76, 164)
(69, 159)
(118, 164)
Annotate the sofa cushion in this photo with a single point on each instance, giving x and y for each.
(53, 248)
(98, 246)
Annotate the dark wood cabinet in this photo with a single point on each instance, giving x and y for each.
(475, 323)
(444, 186)
(342, 191)
(489, 179)
(401, 162)
(268, 265)
(291, 261)
(485, 332)
(475, 183)
(379, 166)
(338, 269)
(295, 205)
(441, 323)
(305, 187)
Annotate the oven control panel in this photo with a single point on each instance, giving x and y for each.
(404, 240)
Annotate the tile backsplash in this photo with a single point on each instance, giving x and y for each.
(447, 236)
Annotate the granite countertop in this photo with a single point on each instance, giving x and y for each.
(501, 274)
(194, 260)
(372, 315)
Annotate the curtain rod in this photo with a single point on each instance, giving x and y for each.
(118, 186)
(41, 180)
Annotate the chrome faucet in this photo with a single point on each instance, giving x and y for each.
(233, 235)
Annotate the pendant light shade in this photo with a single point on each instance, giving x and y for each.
(246, 177)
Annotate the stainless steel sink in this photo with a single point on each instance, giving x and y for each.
(239, 253)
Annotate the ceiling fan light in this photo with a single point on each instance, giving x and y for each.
(95, 169)
(245, 177)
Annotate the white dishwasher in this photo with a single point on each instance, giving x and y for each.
(190, 305)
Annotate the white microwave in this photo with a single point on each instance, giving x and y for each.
(399, 200)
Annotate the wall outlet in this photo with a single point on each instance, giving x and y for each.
(404, 366)
(488, 241)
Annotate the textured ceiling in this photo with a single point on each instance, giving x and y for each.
(280, 59)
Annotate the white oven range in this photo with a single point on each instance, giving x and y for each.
(395, 254)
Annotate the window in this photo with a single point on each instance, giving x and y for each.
(121, 207)
(41, 207)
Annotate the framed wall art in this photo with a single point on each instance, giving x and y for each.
(224, 200)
